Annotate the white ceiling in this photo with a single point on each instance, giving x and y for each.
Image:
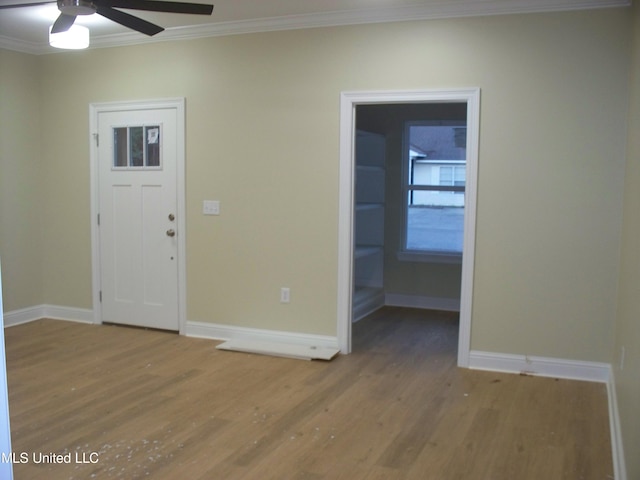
(26, 29)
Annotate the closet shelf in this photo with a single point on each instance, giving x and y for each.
(368, 277)
(370, 168)
(364, 251)
(369, 206)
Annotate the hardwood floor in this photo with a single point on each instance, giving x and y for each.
(149, 404)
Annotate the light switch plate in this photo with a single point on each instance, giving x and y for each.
(211, 207)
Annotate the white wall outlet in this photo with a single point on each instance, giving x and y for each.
(285, 295)
(211, 207)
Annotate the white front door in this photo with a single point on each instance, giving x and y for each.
(137, 152)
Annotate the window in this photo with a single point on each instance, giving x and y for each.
(434, 168)
(136, 147)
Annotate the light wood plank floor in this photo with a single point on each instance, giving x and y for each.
(151, 404)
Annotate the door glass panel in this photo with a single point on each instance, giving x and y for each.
(120, 148)
(153, 146)
(137, 147)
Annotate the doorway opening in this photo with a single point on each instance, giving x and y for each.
(451, 119)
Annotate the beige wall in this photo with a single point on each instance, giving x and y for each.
(550, 178)
(262, 137)
(21, 181)
(627, 325)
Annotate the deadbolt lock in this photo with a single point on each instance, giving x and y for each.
(172, 217)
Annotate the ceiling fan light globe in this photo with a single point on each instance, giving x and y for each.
(76, 38)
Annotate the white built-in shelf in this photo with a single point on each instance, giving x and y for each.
(360, 207)
(368, 278)
(364, 251)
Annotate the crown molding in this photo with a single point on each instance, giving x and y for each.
(17, 45)
(430, 11)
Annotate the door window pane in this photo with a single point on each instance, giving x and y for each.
(120, 147)
(153, 146)
(137, 146)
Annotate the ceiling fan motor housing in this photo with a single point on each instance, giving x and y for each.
(70, 9)
(76, 7)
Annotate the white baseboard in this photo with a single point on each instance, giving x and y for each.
(215, 331)
(71, 314)
(617, 450)
(418, 301)
(26, 315)
(23, 315)
(541, 366)
(210, 331)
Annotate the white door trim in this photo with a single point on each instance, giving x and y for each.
(169, 103)
(348, 102)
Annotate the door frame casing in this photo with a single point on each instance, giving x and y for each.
(348, 103)
(95, 109)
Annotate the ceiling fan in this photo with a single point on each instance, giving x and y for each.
(70, 9)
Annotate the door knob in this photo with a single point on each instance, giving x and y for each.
(171, 233)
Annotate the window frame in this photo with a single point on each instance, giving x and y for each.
(418, 255)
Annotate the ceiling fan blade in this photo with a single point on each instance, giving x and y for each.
(18, 5)
(159, 6)
(63, 23)
(129, 21)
